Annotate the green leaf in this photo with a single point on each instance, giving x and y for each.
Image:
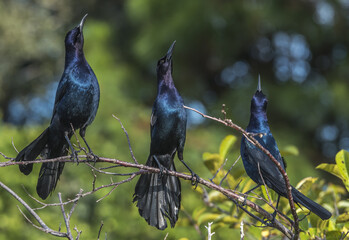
(212, 161)
(305, 184)
(333, 235)
(331, 168)
(215, 196)
(208, 217)
(289, 150)
(343, 218)
(206, 156)
(226, 145)
(304, 224)
(342, 160)
(198, 212)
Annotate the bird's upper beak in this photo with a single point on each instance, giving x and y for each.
(81, 25)
(259, 87)
(169, 52)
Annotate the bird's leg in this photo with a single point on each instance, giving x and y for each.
(74, 153)
(246, 193)
(277, 211)
(162, 168)
(195, 181)
(276, 208)
(82, 134)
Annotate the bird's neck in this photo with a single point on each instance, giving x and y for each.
(165, 83)
(258, 122)
(74, 55)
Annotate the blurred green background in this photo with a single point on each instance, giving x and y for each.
(300, 49)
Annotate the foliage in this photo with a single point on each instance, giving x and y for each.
(225, 214)
(221, 47)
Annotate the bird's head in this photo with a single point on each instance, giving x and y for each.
(164, 66)
(75, 37)
(259, 101)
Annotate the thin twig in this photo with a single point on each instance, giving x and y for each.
(100, 230)
(209, 234)
(265, 185)
(219, 169)
(128, 139)
(226, 175)
(66, 220)
(43, 227)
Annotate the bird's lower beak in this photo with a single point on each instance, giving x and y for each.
(170, 50)
(81, 25)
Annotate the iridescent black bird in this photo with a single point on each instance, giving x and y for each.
(76, 104)
(254, 159)
(158, 195)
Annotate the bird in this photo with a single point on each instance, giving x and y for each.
(159, 195)
(75, 107)
(260, 167)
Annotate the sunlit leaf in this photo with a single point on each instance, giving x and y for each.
(331, 168)
(343, 204)
(198, 212)
(212, 161)
(215, 196)
(305, 184)
(208, 217)
(343, 218)
(226, 145)
(342, 160)
(229, 220)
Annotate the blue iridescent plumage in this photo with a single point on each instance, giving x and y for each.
(257, 164)
(158, 195)
(76, 104)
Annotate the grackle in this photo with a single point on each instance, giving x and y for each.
(258, 165)
(159, 195)
(76, 104)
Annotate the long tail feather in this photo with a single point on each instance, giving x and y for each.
(50, 172)
(158, 198)
(31, 152)
(310, 204)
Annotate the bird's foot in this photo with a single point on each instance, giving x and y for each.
(274, 216)
(162, 170)
(195, 179)
(74, 156)
(93, 156)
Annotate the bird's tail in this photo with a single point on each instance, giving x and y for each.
(50, 171)
(310, 204)
(158, 197)
(30, 152)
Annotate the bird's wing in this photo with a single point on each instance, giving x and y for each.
(61, 90)
(268, 169)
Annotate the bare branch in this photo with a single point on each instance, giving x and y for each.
(66, 219)
(128, 139)
(43, 227)
(100, 229)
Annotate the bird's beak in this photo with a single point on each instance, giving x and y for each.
(81, 25)
(259, 87)
(169, 52)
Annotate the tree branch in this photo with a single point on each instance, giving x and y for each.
(229, 123)
(146, 170)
